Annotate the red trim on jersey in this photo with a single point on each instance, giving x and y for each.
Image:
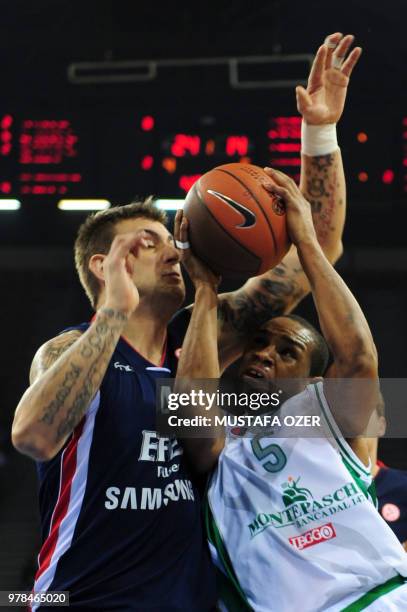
(61, 508)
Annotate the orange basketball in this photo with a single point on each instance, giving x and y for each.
(235, 225)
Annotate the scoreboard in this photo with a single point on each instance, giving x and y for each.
(41, 156)
(122, 153)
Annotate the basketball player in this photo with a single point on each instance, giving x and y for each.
(120, 515)
(291, 521)
(391, 484)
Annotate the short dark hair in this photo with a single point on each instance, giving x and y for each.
(320, 354)
(96, 234)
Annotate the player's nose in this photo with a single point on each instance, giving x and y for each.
(171, 254)
(266, 356)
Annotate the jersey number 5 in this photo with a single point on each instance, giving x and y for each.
(275, 455)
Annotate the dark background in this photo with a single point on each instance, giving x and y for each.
(40, 294)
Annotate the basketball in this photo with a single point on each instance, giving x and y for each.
(235, 226)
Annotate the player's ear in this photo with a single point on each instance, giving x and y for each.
(96, 266)
(382, 426)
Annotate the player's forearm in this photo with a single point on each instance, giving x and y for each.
(199, 362)
(342, 321)
(323, 185)
(199, 355)
(52, 407)
(272, 294)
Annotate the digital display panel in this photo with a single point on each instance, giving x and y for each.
(125, 153)
(175, 158)
(40, 156)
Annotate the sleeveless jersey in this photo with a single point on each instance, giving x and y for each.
(391, 487)
(121, 517)
(292, 524)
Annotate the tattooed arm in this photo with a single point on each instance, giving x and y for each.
(65, 375)
(322, 177)
(323, 183)
(67, 371)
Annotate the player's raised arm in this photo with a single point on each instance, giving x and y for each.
(199, 356)
(67, 371)
(321, 105)
(323, 184)
(342, 321)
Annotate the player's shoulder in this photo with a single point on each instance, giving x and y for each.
(53, 348)
(58, 344)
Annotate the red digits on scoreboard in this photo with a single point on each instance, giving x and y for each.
(185, 143)
(5, 135)
(147, 162)
(46, 141)
(237, 145)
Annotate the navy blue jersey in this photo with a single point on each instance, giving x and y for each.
(120, 514)
(391, 487)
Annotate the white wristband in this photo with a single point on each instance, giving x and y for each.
(318, 139)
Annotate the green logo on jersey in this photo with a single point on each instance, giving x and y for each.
(292, 493)
(301, 508)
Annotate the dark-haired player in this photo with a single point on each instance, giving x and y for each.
(120, 515)
(291, 517)
(285, 327)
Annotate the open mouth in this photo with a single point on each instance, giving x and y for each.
(255, 372)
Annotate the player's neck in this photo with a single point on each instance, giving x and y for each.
(372, 444)
(147, 334)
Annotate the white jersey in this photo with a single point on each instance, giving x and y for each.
(293, 523)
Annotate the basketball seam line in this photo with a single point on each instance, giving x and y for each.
(257, 202)
(200, 198)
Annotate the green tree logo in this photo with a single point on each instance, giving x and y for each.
(292, 493)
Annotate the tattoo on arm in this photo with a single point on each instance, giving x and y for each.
(316, 187)
(321, 185)
(50, 354)
(85, 372)
(276, 291)
(79, 404)
(316, 206)
(64, 390)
